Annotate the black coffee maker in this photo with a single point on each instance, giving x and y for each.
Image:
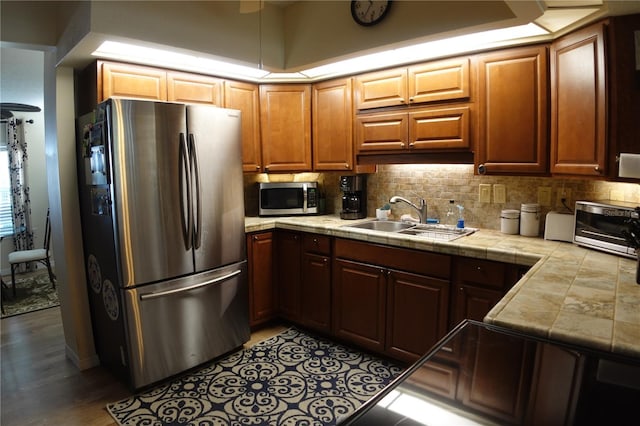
(354, 197)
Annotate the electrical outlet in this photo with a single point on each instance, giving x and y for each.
(484, 193)
(544, 195)
(563, 193)
(499, 193)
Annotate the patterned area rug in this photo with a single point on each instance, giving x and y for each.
(33, 292)
(289, 379)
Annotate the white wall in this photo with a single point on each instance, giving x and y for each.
(22, 81)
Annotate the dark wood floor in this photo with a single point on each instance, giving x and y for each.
(40, 386)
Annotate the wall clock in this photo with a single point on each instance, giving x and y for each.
(369, 12)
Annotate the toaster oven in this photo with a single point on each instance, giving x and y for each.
(599, 225)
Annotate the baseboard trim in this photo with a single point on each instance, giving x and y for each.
(82, 363)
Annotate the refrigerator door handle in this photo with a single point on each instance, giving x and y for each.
(195, 170)
(154, 295)
(185, 184)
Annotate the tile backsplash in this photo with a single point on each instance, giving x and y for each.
(438, 183)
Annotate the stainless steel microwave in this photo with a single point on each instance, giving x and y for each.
(288, 198)
(599, 225)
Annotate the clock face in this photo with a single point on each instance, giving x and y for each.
(369, 12)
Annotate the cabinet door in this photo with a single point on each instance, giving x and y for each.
(245, 97)
(316, 292)
(381, 132)
(288, 270)
(439, 81)
(131, 81)
(262, 295)
(381, 89)
(192, 88)
(578, 103)
(285, 119)
(417, 314)
(495, 376)
(446, 128)
(512, 86)
(359, 303)
(332, 125)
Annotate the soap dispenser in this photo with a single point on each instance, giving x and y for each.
(460, 223)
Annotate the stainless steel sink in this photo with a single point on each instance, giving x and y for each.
(438, 232)
(427, 231)
(382, 225)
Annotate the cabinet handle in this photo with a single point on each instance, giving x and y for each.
(446, 349)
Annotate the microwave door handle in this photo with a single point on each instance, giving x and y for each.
(304, 197)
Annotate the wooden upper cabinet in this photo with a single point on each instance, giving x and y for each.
(246, 98)
(381, 89)
(418, 130)
(285, 120)
(578, 103)
(446, 128)
(431, 82)
(512, 109)
(192, 88)
(381, 132)
(333, 125)
(131, 81)
(439, 81)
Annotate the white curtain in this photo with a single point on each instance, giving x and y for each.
(21, 204)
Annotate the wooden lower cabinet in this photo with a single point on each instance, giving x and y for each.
(416, 314)
(262, 294)
(289, 273)
(495, 376)
(315, 292)
(400, 309)
(359, 303)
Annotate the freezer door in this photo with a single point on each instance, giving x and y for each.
(214, 138)
(145, 144)
(177, 325)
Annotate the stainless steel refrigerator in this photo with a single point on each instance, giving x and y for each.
(161, 193)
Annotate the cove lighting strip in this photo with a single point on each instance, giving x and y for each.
(423, 51)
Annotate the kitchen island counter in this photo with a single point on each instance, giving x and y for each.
(569, 294)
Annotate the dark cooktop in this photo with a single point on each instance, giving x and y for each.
(486, 375)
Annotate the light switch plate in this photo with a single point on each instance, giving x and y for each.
(499, 193)
(544, 195)
(484, 193)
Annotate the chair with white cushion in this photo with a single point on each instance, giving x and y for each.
(35, 255)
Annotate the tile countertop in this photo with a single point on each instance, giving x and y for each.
(569, 294)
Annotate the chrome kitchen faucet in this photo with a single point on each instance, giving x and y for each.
(422, 210)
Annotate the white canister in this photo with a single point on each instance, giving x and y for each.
(530, 220)
(509, 221)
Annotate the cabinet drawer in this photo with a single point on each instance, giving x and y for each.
(317, 244)
(419, 262)
(478, 271)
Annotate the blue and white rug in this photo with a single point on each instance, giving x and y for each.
(289, 379)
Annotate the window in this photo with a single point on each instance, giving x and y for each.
(6, 218)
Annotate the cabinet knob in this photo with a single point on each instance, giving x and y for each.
(346, 165)
(482, 169)
(401, 144)
(315, 241)
(258, 168)
(410, 99)
(597, 169)
(411, 145)
(479, 268)
(402, 101)
(255, 238)
(325, 260)
(266, 169)
(461, 289)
